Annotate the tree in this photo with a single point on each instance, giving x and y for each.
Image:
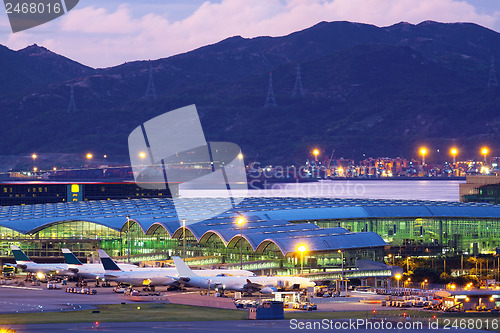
(422, 273)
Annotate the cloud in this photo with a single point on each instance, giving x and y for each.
(93, 20)
(101, 37)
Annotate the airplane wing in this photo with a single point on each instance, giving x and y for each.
(252, 287)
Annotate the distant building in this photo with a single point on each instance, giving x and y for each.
(481, 188)
(39, 192)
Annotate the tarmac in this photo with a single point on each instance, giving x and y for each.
(29, 298)
(243, 326)
(32, 298)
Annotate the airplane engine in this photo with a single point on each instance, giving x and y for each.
(268, 290)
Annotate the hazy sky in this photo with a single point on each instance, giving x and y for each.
(102, 33)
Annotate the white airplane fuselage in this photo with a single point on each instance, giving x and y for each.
(143, 277)
(165, 276)
(92, 271)
(32, 267)
(267, 284)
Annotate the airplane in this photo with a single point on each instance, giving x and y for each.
(89, 271)
(27, 265)
(155, 276)
(262, 284)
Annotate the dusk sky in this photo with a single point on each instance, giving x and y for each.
(106, 33)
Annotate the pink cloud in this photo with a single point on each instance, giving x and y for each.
(97, 37)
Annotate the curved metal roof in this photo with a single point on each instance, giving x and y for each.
(325, 241)
(267, 218)
(255, 237)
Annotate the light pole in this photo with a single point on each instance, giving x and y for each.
(454, 153)
(128, 238)
(484, 151)
(34, 157)
(423, 152)
(241, 222)
(342, 259)
(316, 153)
(398, 277)
(408, 265)
(89, 157)
(184, 239)
(302, 249)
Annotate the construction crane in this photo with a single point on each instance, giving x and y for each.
(330, 161)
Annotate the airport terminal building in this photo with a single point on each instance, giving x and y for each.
(353, 230)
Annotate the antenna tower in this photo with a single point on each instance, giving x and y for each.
(492, 81)
(297, 90)
(270, 100)
(150, 90)
(71, 106)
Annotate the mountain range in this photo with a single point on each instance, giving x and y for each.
(368, 91)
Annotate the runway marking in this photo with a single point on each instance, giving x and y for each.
(28, 288)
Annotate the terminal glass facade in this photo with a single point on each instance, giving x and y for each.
(83, 238)
(420, 236)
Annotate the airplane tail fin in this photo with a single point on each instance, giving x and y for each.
(107, 262)
(18, 254)
(182, 268)
(70, 258)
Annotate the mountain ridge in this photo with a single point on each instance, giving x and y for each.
(424, 84)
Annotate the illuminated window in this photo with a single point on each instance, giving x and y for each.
(75, 188)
